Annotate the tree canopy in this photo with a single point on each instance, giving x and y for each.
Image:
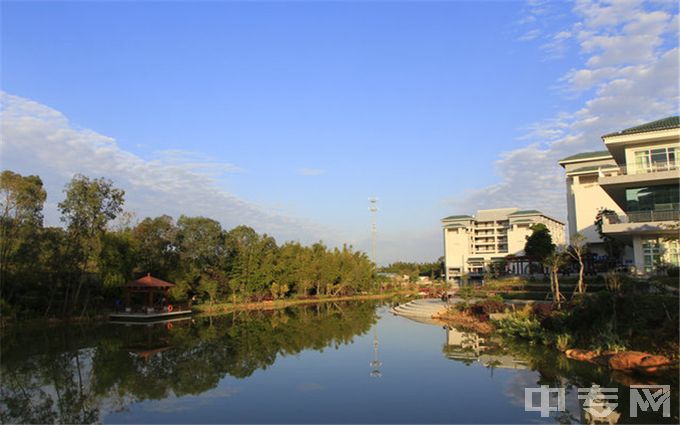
(81, 268)
(539, 244)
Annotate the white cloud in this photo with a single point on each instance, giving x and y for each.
(310, 171)
(530, 35)
(556, 46)
(37, 139)
(629, 78)
(195, 162)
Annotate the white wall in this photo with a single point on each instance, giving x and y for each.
(589, 198)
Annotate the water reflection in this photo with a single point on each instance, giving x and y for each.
(70, 374)
(469, 347)
(556, 371)
(375, 363)
(304, 364)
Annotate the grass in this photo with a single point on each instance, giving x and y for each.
(288, 302)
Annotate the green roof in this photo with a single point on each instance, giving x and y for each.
(457, 217)
(525, 212)
(586, 155)
(662, 124)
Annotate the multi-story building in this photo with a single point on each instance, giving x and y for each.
(636, 179)
(471, 243)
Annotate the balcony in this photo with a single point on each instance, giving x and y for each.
(649, 216)
(657, 167)
(616, 180)
(642, 222)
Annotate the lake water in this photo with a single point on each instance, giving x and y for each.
(326, 363)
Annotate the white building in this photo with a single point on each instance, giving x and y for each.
(636, 179)
(472, 243)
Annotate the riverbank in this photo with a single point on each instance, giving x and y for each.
(278, 304)
(210, 308)
(632, 333)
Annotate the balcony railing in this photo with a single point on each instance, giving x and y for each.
(645, 216)
(623, 170)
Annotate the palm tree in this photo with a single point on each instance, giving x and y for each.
(554, 261)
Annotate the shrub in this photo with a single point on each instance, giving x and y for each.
(522, 324)
(563, 341)
(608, 340)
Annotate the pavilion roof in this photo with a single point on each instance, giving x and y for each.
(149, 281)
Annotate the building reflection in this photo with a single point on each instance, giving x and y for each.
(470, 347)
(598, 409)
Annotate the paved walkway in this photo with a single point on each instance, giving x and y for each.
(421, 308)
(425, 308)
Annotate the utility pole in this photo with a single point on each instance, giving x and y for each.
(373, 208)
(375, 363)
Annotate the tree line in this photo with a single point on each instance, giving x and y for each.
(80, 268)
(433, 270)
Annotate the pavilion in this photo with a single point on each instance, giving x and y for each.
(152, 290)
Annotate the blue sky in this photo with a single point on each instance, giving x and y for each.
(293, 113)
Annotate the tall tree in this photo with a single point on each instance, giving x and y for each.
(21, 203)
(201, 253)
(89, 206)
(156, 242)
(242, 245)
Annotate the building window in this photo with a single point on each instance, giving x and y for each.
(673, 253)
(651, 251)
(653, 198)
(659, 159)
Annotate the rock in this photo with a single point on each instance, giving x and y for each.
(654, 365)
(542, 310)
(603, 359)
(581, 355)
(627, 360)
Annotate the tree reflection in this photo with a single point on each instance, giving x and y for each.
(72, 374)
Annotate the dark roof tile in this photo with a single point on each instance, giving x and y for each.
(525, 212)
(586, 155)
(457, 217)
(662, 124)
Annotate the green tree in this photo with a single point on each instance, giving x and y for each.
(156, 241)
(201, 255)
(21, 204)
(612, 246)
(539, 244)
(242, 249)
(89, 206)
